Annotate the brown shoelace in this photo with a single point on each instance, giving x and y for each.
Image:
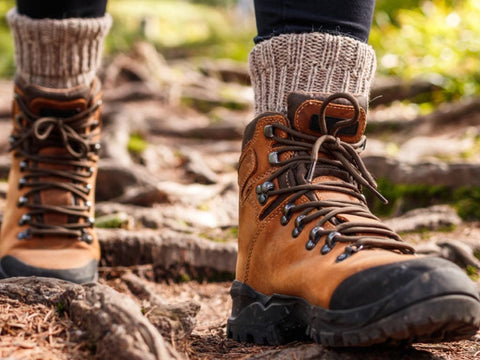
(71, 170)
(309, 157)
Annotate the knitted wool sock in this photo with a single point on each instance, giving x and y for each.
(58, 53)
(311, 62)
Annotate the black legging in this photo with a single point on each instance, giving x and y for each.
(346, 17)
(274, 17)
(61, 9)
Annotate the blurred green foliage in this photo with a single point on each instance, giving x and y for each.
(182, 28)
(438, 39)
(434, 38)
(6, 42)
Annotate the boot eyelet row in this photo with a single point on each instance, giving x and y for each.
(298, 226)
(313, 237)
(262, 191)
(286, 213)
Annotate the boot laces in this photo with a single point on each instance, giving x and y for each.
(69, 171)
(306, 158)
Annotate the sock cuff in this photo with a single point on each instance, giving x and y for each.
(58, 53)
(309, 62)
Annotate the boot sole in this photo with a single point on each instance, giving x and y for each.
(279, 319)
(12, 267)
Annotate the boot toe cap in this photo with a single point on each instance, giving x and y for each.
(401, 284)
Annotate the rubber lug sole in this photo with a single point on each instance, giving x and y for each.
(279, 319)
(16, 268)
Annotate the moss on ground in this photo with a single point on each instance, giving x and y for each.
(404, 197)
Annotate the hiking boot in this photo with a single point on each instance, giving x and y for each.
(47, 227)
(313, 262)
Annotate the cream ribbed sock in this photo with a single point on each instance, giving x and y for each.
(58, 53)
(311, 62)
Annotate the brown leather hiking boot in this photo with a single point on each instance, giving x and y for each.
(313, 262)
(47, 227)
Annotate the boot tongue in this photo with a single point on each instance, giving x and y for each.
(304, 109)
(56, 102)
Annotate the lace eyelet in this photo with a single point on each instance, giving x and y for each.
(88, 204)
(262, 199)
(329, 242)
(24, 219)
(22, 182)
(22, 200)
(97, 147)
(325, 249)
(285, 219)
(86, 237)
(24, 235)
(273, 158)
(268, 131)
(313, 237)
(267, 186)
(262, 191)
(23, 165)
(298, 226)
(91, 220)
(349, 251)
(331, 237)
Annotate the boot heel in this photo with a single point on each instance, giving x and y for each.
(261, 319)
